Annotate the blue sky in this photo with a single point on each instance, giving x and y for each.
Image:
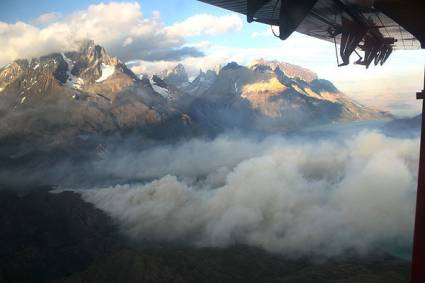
(24, 10)
(186, 26)
(171, 11)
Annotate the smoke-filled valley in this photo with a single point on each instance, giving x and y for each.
(291, 196)
(265, 160)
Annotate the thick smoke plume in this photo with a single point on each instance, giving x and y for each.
(291, 196)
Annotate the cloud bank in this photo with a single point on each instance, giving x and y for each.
(295, 197)
(120, 27)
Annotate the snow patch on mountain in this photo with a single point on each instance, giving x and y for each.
(161, 90)
(72, 81)
(107, 71)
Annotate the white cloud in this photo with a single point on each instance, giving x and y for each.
(46, 19)
(316, 54)
(206, 24)
(120, 27)
(22, 40)
(191, 64)
(268, 32)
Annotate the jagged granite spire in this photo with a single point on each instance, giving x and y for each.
(176, 76)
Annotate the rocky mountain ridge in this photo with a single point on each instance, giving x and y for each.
(176, 76)
(269, 96)
(89, 92)
(292, 71)
(74, 93)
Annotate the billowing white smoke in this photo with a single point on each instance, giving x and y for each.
(291, 196)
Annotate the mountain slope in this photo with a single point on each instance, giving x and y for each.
(201, 83)
(88, 92)
(73, 93)
(269, 96)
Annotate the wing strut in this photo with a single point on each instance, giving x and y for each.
(352, 34)
(376, 49)
(418, 255)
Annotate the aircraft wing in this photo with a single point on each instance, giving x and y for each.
(352, 25)
(325, 16)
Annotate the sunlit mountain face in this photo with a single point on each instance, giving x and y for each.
(141, 145)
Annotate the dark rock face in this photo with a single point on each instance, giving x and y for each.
(201, 83)
(231, 66)
(59, 238)
(158, 81)
(89, 59)
(47, 236)
(177, 76)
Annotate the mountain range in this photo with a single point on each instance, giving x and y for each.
(64, 99)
